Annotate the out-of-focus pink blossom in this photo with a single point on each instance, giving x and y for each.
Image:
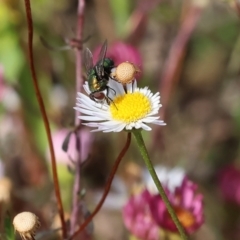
(187, 203)
(229, 183)
(146, 213)
(2, 169)
(138, 218)
(63, 157)
(121, 52)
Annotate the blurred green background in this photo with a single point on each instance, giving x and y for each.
(202, 108)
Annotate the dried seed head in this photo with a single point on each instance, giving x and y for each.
(125, 72)
(5, 190)
(26, 223)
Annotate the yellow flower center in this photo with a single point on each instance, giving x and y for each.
(130, 107)
(185, 217)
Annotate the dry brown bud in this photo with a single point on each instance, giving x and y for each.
(125, 72)
(26, 223)
(5, 190)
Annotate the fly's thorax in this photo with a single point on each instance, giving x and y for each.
(108, 63)
(92, 72)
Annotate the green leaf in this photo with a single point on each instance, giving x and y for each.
(8, 228)
(11, 56)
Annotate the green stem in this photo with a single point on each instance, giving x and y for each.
(144, 153)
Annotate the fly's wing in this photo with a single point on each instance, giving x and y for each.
(88, 59)
(101, 57)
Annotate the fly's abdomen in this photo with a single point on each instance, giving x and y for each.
(94, 84)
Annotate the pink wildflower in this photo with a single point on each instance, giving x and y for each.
(229, 183)
(121, 52)
(138, 219)
(187, 203)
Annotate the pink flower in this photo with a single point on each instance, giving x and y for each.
(121, 52)
(229, 183)
(138, 218)
(187, 203)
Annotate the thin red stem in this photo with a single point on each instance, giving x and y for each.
(79, 36)
(107, 187)
(44, 116)
(237, 6)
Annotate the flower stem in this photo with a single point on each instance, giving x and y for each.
(144, 153)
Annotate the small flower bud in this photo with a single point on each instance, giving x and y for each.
(26, 223)
(5, 190)
(125, 72)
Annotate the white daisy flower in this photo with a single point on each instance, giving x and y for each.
(134, 108)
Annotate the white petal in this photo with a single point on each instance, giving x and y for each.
(150, 119)
(90, 118)
(146, 127)
(159, 122)
(129, 87)
(138, 125)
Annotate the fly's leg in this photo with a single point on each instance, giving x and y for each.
(91, 95)
(108, 99)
